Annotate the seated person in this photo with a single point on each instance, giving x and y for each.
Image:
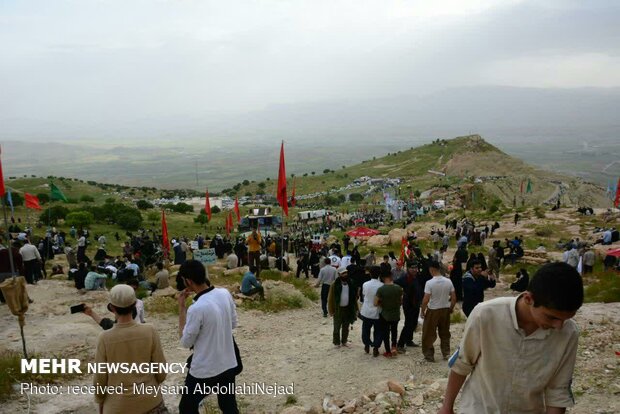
(523, 280)
(232, 260)
(250, 285)
(162, 278)
(94, 280)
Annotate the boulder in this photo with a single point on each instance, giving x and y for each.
(236, 271)
(396, 236)
(378, 241)
(167, 292)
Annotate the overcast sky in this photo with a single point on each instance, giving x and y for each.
(107, 62)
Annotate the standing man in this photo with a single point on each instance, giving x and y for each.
(588, 260)
(389, 297)
(254, 241)
(437, 305)
(475, 282)
(127, 341)
(32, 262)
(207, 328)
(516, 218)
(369, 314)
(412, 292)
(327, 276)
(518, 353)
(342, 305)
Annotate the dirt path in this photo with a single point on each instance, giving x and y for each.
(291, 347)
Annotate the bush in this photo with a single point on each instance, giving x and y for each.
(356, 197)
(50, 216)
(215, 210)
(87, 199)
(539, 212)
(202, 217)
(152, 216)
(80, 219)
(18, 199)
(129, 220)
(544, 231)
(44, 198)
(144, 205)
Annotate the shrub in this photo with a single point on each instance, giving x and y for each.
(129, 220)
(215, 210)
(544, 231)
(144, 205)
(80, 219)
(43, 198)
(87, 199)
(50, 216)
(356, 197)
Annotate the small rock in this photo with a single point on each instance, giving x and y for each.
(418, 400)
(396, 387)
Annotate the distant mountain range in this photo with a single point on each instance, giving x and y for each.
(574, 131)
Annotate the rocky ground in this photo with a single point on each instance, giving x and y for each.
(294, 348)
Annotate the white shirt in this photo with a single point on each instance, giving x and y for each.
(344, 295)
(139, 311)
(208, 328)
(81, 241)
(369, 289)
(29, 252)
(345, 261)
(439, 287)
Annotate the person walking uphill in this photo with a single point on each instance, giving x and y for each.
(132, 342)
(518, 353)
(342, 305)
(207, 328)
(327, 276)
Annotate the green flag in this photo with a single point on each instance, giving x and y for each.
(56, 194)
(529, 186)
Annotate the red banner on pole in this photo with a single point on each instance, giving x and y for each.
(32, 201)
(237, 212)
(281, 196)
(208, 206)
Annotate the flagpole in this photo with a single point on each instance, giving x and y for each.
(9, 241)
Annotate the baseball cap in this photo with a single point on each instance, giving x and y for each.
(122, 296)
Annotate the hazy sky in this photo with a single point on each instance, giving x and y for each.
(105, 62)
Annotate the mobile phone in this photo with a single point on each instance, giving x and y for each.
(77, 308)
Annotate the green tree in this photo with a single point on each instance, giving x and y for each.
(129, 221)
(50, 216)
(246, 182)
(202, 217)
(18, 199)
(356, 197)
(144, 205)
(87, 199)
(79, 219)
(44, 198)
(215, 210)
(152, 216)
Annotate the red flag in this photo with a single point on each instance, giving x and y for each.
(521, 188)
(293, 201)
(237, 212)
(208, 206)
(617, 201)
(229, 223)
(281, 196)
(165, 243)
(2, 189)
(403, 243)
(32, 201)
